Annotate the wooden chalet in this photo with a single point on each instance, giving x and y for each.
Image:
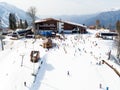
(55, 25)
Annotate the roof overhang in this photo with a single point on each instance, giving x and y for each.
(68, 22)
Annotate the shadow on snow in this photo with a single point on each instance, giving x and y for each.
(40, 74)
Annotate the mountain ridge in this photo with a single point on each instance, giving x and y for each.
(106, 18)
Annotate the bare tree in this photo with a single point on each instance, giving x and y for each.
(118, 39)
(1, 36)
(32, 13)
(97, 24)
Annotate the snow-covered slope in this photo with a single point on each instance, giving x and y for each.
(80, 55)
(6, 9)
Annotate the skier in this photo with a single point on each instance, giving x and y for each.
(68, 73)
(25, 84)
(109, 54)
(100, 85)
(107, 88)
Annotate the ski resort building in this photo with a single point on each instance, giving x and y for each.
(55, 25)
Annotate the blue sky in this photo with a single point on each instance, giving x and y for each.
(66, 7)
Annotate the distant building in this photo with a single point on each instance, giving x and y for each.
(107, 35)
(55, 25)
(92, 27)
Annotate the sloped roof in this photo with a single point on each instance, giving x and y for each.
(46, 19)
(73, 23)
(68, 22)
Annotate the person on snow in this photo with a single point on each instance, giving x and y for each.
(68, 73)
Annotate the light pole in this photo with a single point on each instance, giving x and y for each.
(33, 58)
(25, 43)
(22, 55)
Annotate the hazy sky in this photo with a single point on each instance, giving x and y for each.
(66, 7)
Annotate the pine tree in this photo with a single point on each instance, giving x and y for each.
(21, 24)
(12, 21)
(25, 24)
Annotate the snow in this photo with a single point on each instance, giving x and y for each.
(78, 54)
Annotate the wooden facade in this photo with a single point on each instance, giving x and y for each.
(47, 24)
(73, 27)
(58, 25)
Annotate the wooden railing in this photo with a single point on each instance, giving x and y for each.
(111, 66)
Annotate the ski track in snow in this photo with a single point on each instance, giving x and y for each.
(76, 55)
